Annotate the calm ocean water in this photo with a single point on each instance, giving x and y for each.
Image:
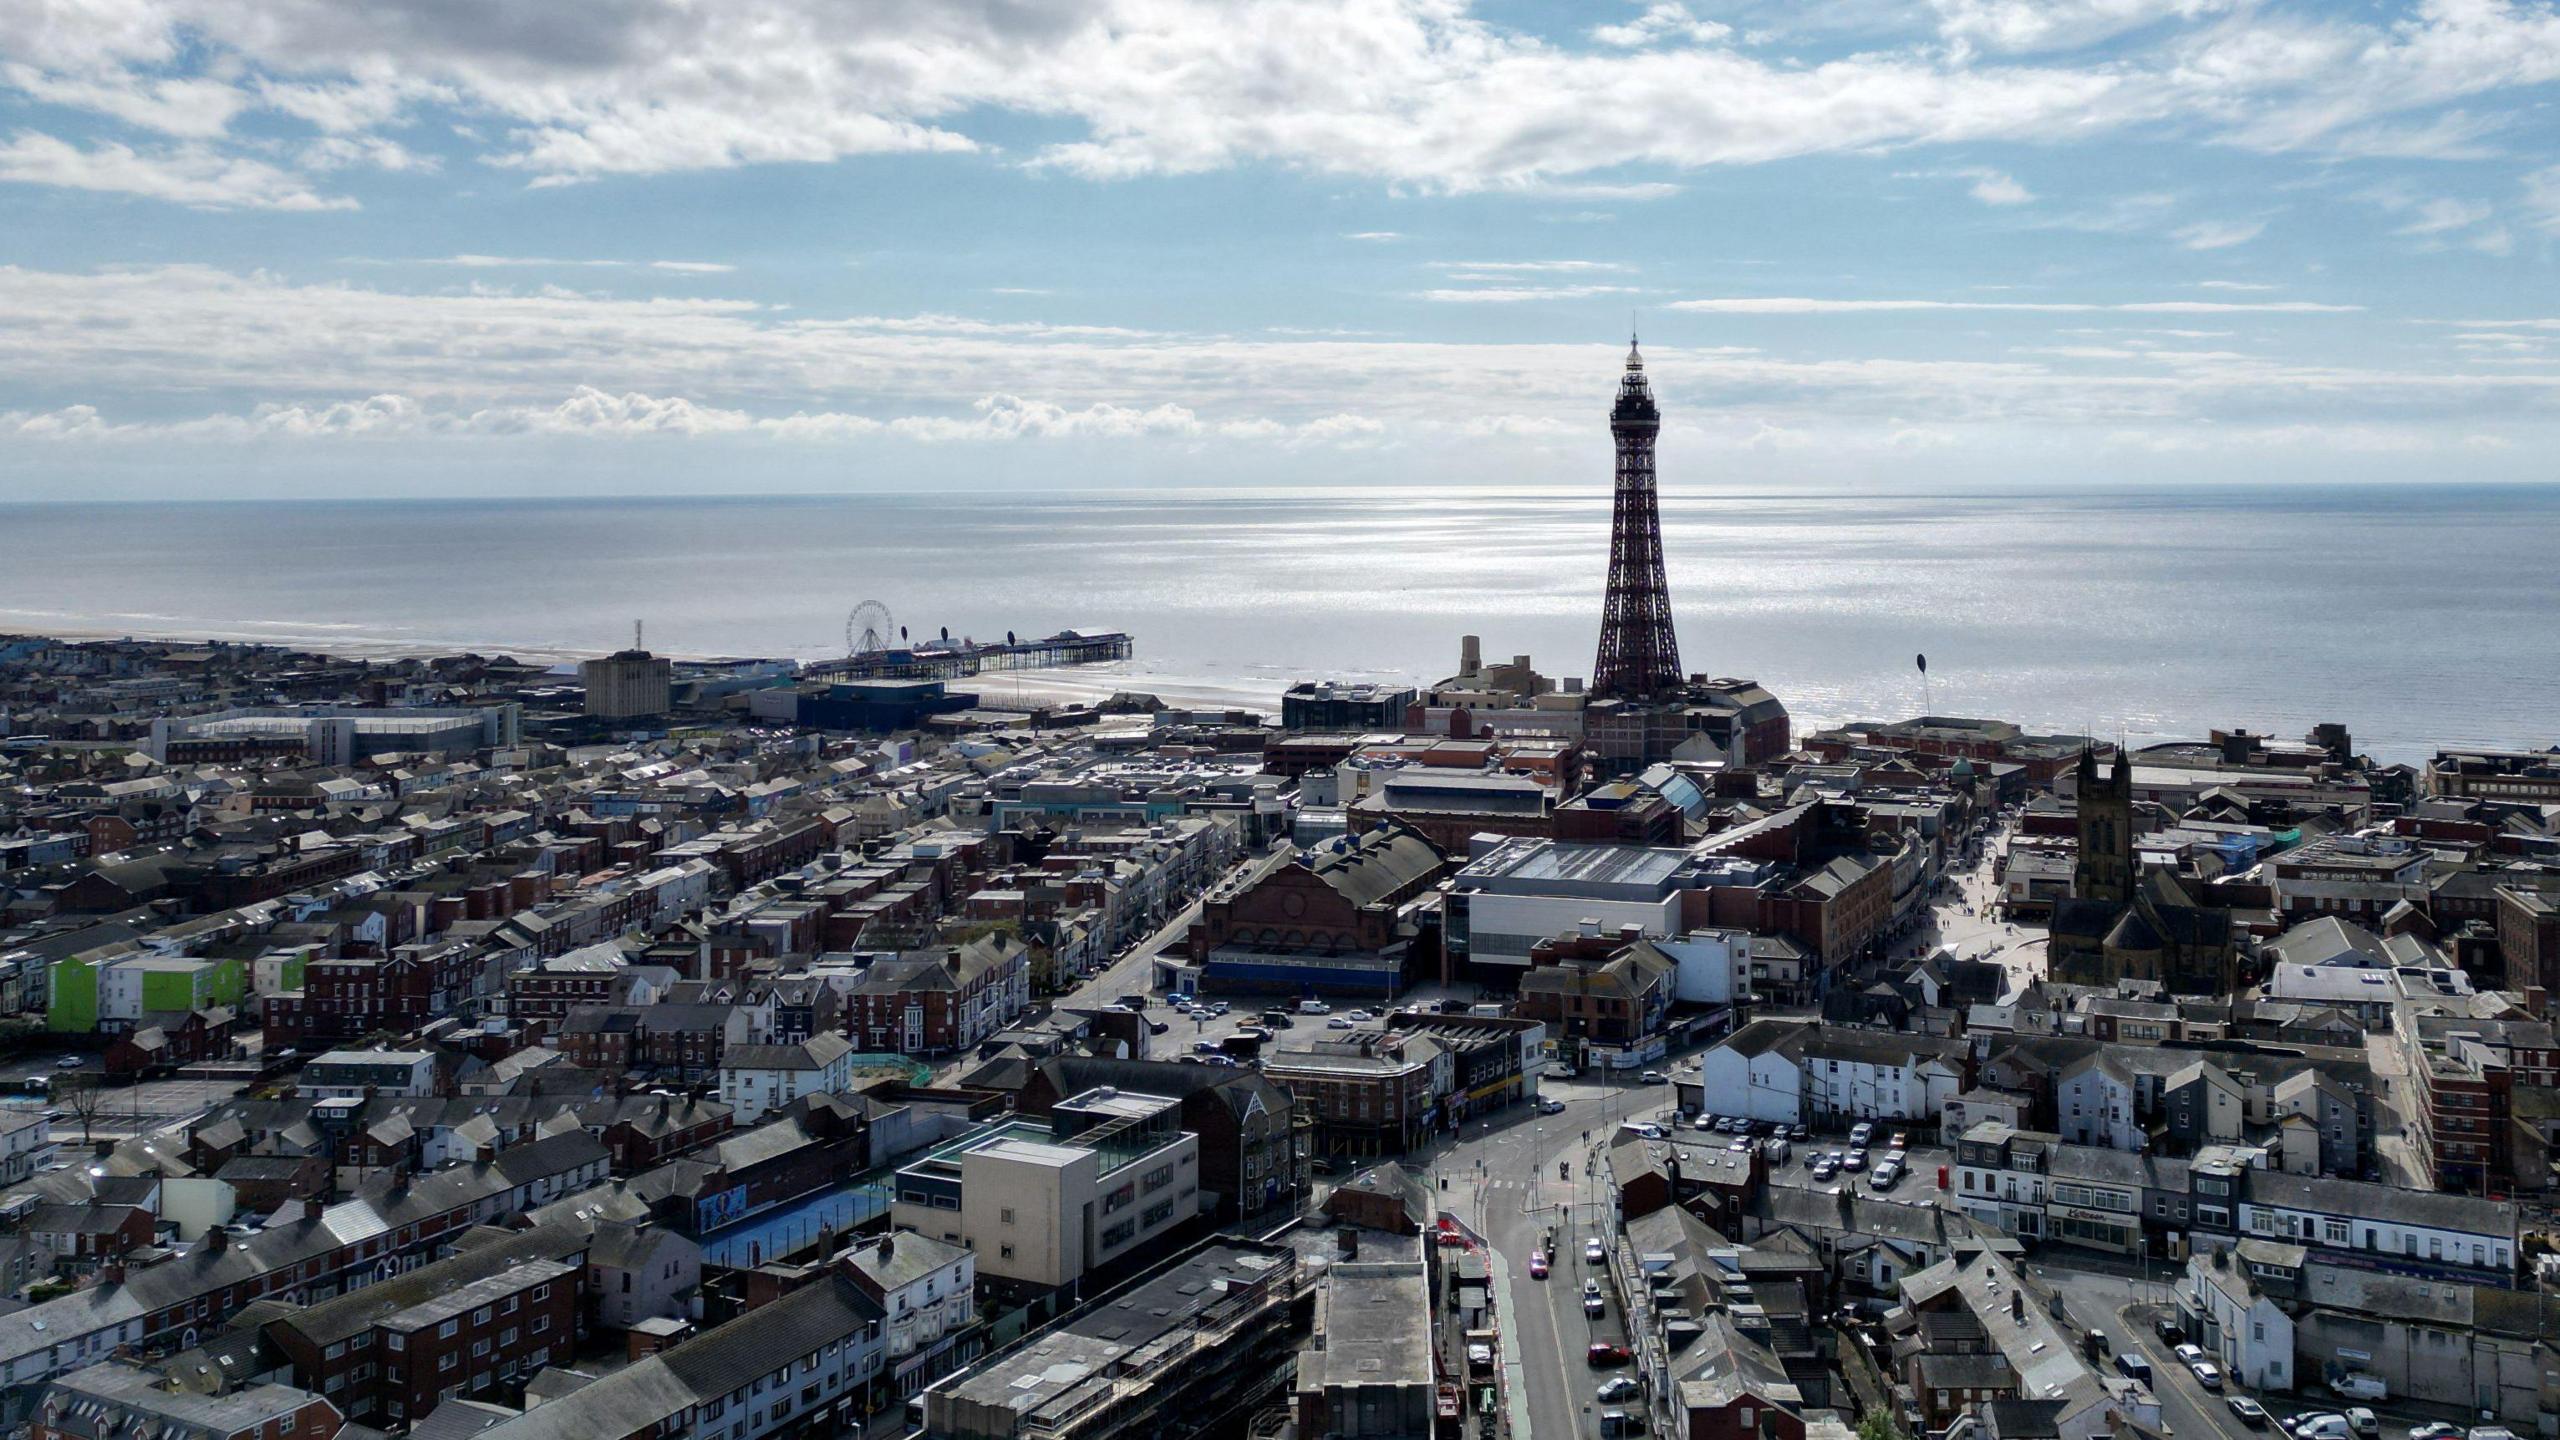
(2420, 616)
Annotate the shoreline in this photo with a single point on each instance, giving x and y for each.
(995, 689)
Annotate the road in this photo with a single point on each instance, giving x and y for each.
(1502, 1180)
(2121, 1304)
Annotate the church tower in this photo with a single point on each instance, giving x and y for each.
(2105, 868)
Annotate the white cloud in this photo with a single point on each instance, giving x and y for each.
(1991, 187)
(2232, 285)
(508, 262)
(2218, 234)
(1520, 294)
(596, 414)
(277, 361)
(1802, 305)
(185, 174)
(692, 267)
(1374, 237)
(2023, 25)
(1527, 267)
(1663, 21)
(2436, 217)
(2542, 198)
(1417, 93)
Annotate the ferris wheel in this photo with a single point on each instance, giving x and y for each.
(867, 629)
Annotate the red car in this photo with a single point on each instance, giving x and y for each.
(1604, 1355)
(1538, 1265)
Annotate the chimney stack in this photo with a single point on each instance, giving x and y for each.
(311, 1207)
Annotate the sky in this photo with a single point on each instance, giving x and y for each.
(317, 248)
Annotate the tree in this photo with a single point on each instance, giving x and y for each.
(82, 1093)
(1875, 1424)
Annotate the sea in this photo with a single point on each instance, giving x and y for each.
(2420, 617)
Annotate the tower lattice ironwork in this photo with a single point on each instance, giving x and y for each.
(1639, 656)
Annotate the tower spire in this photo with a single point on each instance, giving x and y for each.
(1639, 655)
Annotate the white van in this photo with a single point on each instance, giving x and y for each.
(1314, 1007)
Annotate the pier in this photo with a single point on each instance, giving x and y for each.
(962, 658)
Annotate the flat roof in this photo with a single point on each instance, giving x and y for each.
(1376, 1320)
(1569, 864)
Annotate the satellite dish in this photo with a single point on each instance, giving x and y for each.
(867, 628)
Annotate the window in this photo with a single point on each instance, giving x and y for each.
(1006, 1215)
(396, 1341)
(479, 1347)
(445, 1330)
(480, 1316)
(1005, 1252)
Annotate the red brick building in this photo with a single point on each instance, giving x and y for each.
(476, 1325)
(936, 1002)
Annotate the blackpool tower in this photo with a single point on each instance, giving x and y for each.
(1639, 656)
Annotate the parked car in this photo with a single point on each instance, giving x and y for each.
(1338, 1022)
(2248, 1412)
(1537, 1264)
(1861, 1133)
(1157, 1027)
(1901, 1141)
(1593, 1252)
(1653, 1077)
(2208, 1374)
(1591, 1287)
(1855, 1160)
(2357, 1385)
(2317, 1425)
(1550, 1106)
(1618, 1387)
(1618, 1424)
(68, 1062)
(2169, 1330)
(1593, 1307)
(1887, 1175)
(2363, 1422)
(1314, 1007)
(2134, 1367)
(2436, 1430)
(1825, 1166)
(1603, 1355)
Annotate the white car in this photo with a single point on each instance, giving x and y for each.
(2208, 1374)
(1338, 1022)
(1618, 1387)
(1593, 1251)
